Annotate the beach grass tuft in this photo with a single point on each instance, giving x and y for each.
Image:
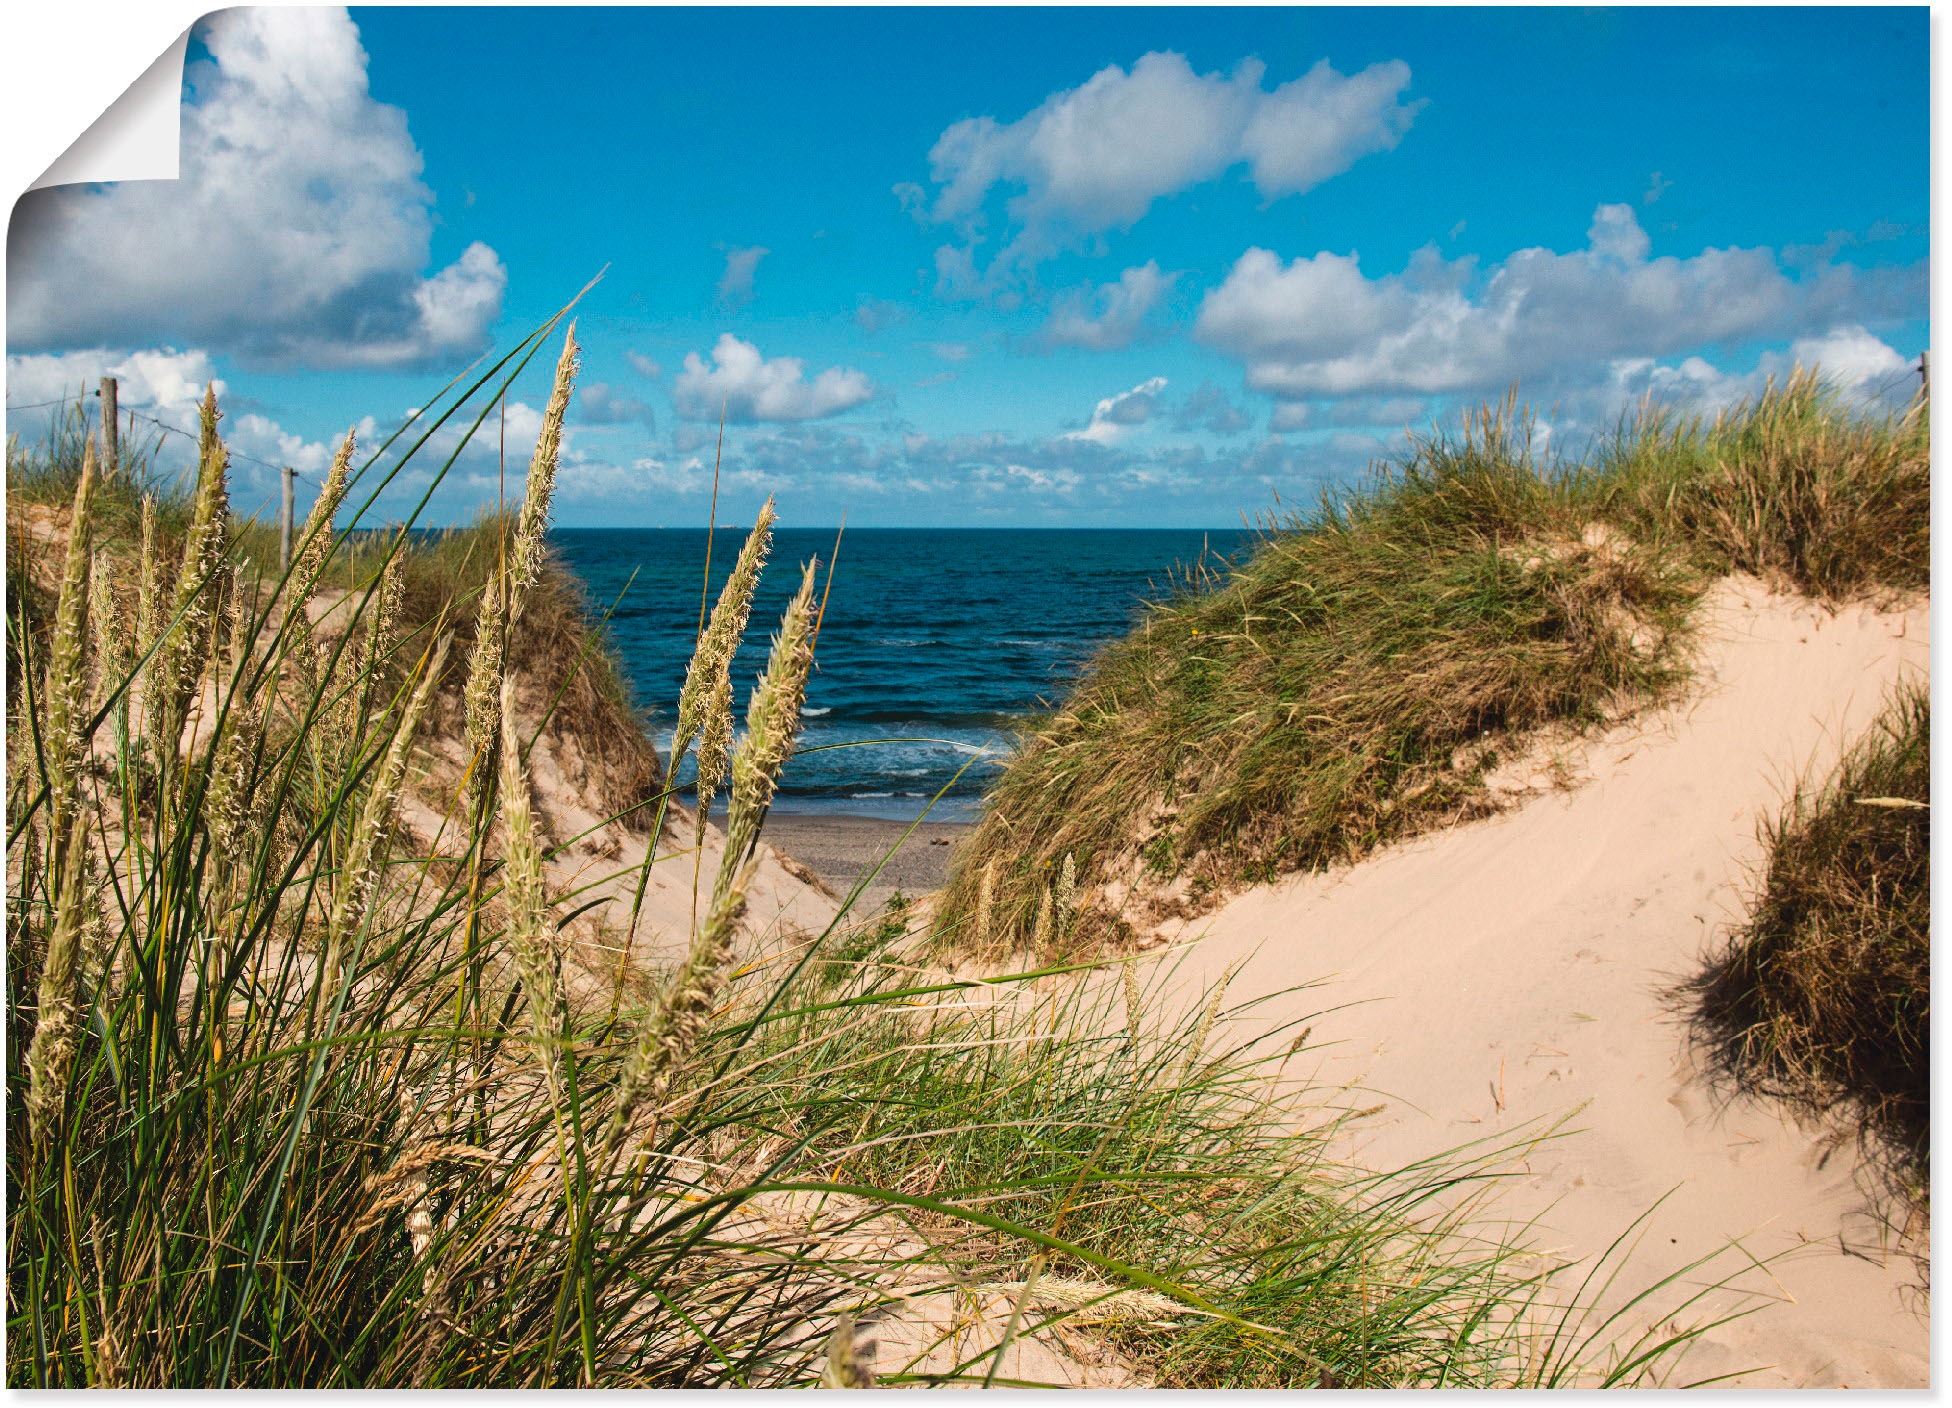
(1822, 996)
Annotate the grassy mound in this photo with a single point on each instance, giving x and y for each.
(1360, 676)
(1823, 997)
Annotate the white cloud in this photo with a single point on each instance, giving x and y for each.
(599, 403)
(752, 388)
(1855, 360)
(156, 379)
(1209, 409)
(297, 231)
(1860, 365)
(1318, 126)
(1116, 415)
(1316, 327)
(644, 366)
(735, 284)
(265, 439)
(1110, 315)
(1095, 157)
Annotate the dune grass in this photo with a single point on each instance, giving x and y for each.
(1360, 676)
(1823, 996)
(294, 1102)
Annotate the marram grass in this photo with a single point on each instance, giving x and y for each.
(1822, 996)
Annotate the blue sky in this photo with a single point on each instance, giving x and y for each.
(1022, 267)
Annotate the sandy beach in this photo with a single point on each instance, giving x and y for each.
(840, 849)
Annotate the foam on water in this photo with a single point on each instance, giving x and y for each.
(925, 671)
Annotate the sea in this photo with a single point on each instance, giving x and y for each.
(936, 648)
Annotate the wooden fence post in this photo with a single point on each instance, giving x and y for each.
(111, 430)
(284, 521)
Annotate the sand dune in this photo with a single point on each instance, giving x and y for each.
(1518, 970)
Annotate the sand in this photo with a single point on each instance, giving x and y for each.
(1520, 970)
(841, 849)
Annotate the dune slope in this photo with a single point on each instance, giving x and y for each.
(1520, 970)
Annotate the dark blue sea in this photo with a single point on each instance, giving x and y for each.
(936, 644)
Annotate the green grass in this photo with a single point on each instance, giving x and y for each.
(1823, 996)
(1356, 678)
(274, 1146)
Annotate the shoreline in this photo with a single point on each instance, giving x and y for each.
(840, 848)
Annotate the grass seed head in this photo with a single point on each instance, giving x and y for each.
(65, 697)
(50, 1055)
(315, 538)
(772, 726)
(531, 528)
(707, 689)
(528, 906)
(670, 1030)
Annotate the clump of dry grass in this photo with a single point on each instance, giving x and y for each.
(1795, 486)
(1823, 996)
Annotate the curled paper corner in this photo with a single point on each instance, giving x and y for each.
(140, 135)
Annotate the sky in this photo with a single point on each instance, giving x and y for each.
(1013, 267)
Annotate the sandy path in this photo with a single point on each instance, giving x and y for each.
(1513, 971)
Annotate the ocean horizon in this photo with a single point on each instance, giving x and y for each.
(938, 644)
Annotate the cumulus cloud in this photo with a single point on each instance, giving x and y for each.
(884, 475)
(1208, 408)
(1116, 415)
(644, 366)
(1108, 316)
(752, 387)
(155, 379)
(1316, 327)
(1858, 363)
(735, 284)
(1095, 157)
(1853, 359)
(599, 403)
(297, 231)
